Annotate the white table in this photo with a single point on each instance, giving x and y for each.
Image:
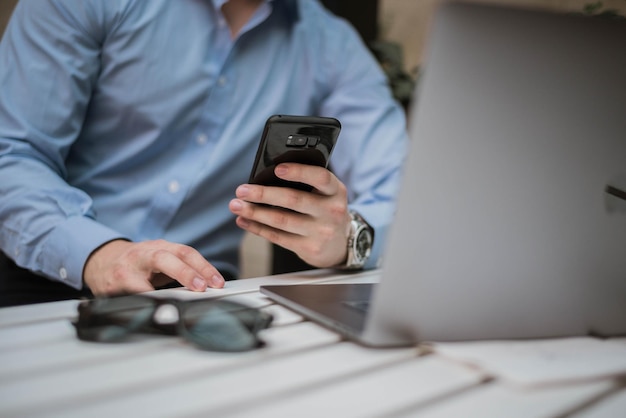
(304, 370)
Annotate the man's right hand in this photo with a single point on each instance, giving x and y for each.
(131, 267)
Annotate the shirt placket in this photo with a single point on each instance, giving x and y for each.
(197, 153)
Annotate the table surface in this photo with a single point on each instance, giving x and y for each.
(304, 370)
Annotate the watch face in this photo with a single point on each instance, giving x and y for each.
(363, 244)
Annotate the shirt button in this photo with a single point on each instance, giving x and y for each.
(173, 186)
(63, 273)
(221, 81)
(202, 139)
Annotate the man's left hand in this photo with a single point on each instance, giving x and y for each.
(315, 225)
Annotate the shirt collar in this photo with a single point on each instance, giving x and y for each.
(291, 7)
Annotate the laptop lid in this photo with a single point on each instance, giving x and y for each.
(511, 220)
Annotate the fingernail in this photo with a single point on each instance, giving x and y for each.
(198, 284)
(217, 281)
(236, 204)
(281, 170)
(243, 191)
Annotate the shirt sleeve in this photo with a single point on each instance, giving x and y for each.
(49, 61)
(369, 155)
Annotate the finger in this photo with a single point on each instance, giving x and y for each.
(322, 180)
(195, 260)
(277, 218)
(313, 251)
(162, 260)
(272, 197)
(273, 235)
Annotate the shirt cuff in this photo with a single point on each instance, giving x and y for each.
(67, 247)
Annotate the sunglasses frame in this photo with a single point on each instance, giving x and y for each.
(99, 320)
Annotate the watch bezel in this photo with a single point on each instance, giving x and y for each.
(356, 258)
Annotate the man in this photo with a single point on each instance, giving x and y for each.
(128, 129)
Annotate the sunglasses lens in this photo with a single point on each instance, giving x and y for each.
(112, 319)
(224, 326)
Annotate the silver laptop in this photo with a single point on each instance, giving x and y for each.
(511, 220)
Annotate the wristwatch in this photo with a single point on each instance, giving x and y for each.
(360, 242)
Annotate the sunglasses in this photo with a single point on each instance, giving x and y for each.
(210, 324)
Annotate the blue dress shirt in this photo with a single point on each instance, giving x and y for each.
(138, 119)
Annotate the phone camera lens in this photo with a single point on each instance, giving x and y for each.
(296, 141)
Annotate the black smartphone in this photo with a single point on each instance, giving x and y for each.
(297, 139)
